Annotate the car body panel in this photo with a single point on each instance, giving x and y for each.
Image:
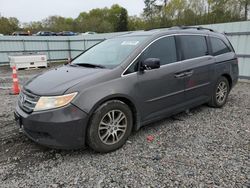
(160, 90)
(59, 80)
(58, 128)
(198, 79)
(107, 89)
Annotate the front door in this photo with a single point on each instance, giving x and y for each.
(161, 91)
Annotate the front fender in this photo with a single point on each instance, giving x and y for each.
(90, 98)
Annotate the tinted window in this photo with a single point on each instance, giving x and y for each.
(164, 49)
(193, 46)
(218, 46)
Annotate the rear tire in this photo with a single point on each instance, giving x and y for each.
(220, 93)
(110, 126)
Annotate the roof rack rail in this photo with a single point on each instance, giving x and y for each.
(191, 27)
(151, 29)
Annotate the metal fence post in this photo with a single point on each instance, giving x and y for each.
(69, 46)
(84, 44)
(24, 47)
(48, 50)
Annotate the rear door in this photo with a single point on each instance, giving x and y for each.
(197, 66)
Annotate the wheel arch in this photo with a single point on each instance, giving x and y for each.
(125, 99)
(229, 79)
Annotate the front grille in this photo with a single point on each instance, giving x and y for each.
(27, 101)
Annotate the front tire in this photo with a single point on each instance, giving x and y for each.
(110, 126)
(220, 93)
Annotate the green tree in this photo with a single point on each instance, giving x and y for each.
(175, 10)
(149, 11)
(118, 17)
(244, 7)
(8, 25)
(103, 20)
(136, 23)
(58, 23)
(224, 11)
(122, 21)
(193, 12)
(34, 27)
(96, 20)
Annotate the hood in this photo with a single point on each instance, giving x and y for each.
(58, 81)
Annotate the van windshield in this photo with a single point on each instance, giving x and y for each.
(110, 53)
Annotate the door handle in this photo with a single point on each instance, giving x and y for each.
(179, 75)
(184, 74)
(189, 73)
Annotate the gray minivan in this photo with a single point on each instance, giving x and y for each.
(124, 83)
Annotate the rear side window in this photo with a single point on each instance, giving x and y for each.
(164, 49)
(218, 46)
(193, 46)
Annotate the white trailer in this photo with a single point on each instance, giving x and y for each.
(28, 60)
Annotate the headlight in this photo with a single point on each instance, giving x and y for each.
(46, 103)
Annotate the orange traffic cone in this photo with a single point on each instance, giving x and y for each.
(15, 85)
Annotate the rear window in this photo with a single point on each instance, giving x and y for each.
(193, 46)
(218, 47)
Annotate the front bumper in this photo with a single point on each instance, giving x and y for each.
(62, 128)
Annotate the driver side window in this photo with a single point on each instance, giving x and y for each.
(163, 49)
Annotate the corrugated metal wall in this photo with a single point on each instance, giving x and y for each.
(55, 47)
(239, 35)
(60, 48)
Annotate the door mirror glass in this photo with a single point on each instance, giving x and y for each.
(150, 63)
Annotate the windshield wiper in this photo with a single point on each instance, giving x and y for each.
(88, 65)
(73, 65)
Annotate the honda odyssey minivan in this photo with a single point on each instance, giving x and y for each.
(124, 83)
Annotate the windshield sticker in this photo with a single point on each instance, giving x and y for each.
(130, 43)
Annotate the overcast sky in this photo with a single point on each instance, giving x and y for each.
(35, 10)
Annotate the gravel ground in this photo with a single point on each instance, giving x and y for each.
(204, 148)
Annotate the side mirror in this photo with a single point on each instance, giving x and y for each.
(150, 63)
(68, 61)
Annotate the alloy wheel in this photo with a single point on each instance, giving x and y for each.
(221, 92)
(112, 127)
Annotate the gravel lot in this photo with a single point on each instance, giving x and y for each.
(204, 148)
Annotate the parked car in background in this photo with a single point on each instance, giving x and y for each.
(89, 33)
(45, 33)
(66, 33)
(21, 33)
(124, 83)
